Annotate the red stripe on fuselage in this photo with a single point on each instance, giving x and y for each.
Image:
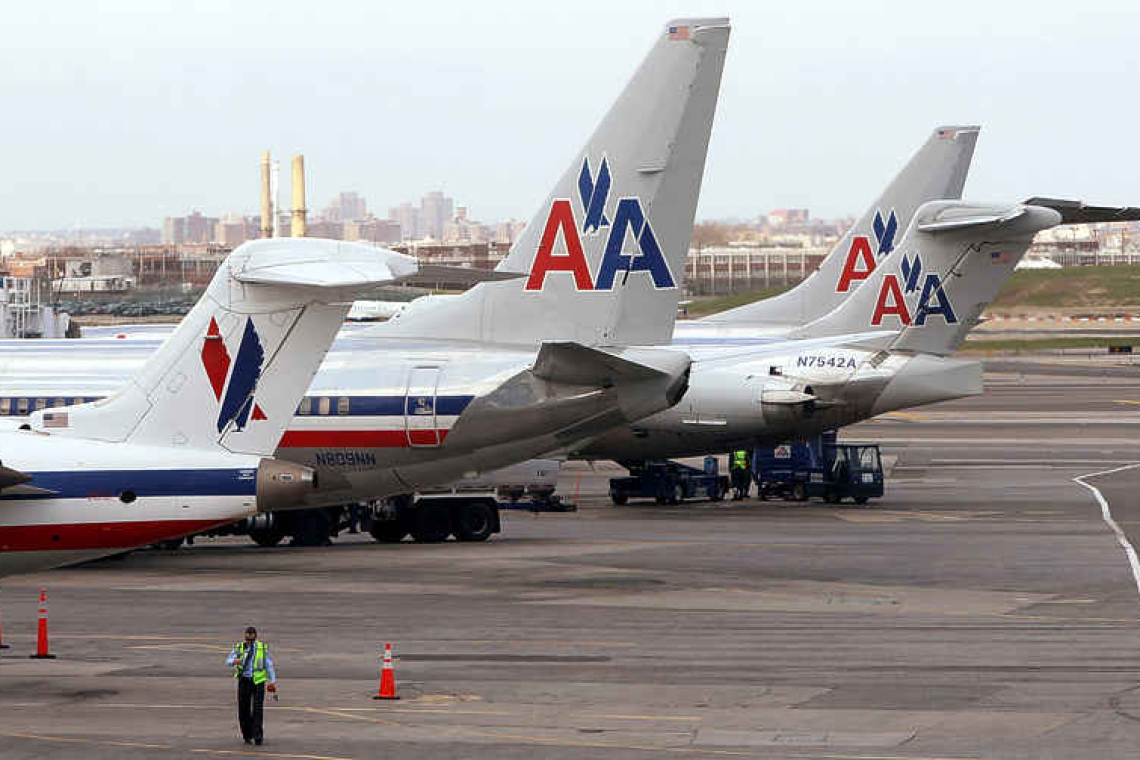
(105, 535)
(360, 439)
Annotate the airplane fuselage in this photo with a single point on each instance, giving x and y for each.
(386, 416)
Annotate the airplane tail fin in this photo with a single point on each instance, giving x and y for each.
(605, 253)
(936, 172)
(948, 267)
(232, 373)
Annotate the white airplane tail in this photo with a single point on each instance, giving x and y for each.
(232, 373)
(949, 266)
(936, 172)
(605, 253)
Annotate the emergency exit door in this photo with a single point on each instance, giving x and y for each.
(419, 407)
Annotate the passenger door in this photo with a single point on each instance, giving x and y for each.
(419, 407)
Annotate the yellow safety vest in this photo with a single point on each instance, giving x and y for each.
(740, 460)
(260, 675)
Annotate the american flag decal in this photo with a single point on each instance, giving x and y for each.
(678, 32)
(1000, 258)
(55, 419)
(947, 134)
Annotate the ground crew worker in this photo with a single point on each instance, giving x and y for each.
(741, 477)
(253, 669)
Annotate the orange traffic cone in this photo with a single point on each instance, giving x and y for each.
(2, 644)
(41, 631)
(387, 676)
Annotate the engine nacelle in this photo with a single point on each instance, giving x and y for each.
(283, 485)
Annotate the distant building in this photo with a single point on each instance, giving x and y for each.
(372, 230)
(199, 228)
(345, 208)
(785, 217)
(325, 228)
(436, 210)
(174, 230)
(408, 217)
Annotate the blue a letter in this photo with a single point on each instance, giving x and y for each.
(933, 288)
(649, 259)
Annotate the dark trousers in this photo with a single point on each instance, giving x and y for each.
(251, 699)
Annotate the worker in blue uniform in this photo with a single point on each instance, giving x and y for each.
(253, 669)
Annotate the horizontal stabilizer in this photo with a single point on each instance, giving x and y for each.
(576, 364)
(429, 274)
(953, 218)
(1077, 212)
(316, 263)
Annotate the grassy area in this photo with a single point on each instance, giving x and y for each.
(1072, 287)
(1069, 288)
(703, 306)
(1045, 344)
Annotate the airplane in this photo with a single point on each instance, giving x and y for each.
(559, 368)
(187, 444)
(932, 288)
(542, 365)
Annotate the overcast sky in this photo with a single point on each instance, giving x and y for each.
(121, 113)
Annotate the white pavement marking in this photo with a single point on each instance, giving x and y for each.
(1106, 513)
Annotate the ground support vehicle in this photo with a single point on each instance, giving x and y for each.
(820, 467)
(668, 482)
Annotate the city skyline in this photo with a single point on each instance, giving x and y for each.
(148, 120)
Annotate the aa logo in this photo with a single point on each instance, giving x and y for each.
(236, 379)
(895, 290)
(630, 244)
(861, 261)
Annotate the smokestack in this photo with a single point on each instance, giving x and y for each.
(275, 191)
(298, 226)
(266, 203)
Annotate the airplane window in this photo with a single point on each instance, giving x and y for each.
(324, 406)
(5, 406)
(41, 403)
(77, 401)
(342, 405)
(306, 406)
(60, 402)
(22, 406)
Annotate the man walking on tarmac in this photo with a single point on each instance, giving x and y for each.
(741, 477)
(253, 668)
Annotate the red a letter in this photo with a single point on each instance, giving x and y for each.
(860, 252)
(897, 306)
(561, 216)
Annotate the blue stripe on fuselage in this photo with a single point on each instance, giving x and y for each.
(82, 484)
(358, 406)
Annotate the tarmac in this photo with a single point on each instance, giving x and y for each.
(987, 607)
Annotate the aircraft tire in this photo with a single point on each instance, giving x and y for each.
(799, 493)
(312, 528)
(473, 521)
(388, 531)
(678, 494)
(270, 536)
(860, 500)
(620, 498)
(432, 523)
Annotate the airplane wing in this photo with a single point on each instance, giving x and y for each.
(576, 364)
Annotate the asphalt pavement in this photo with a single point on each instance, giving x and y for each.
(984, 608)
